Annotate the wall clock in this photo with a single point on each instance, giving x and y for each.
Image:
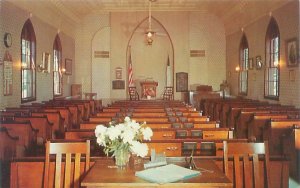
(7, 40)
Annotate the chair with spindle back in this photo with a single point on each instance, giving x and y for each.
(67, 150)
(251, 174)
(133, 94)
(168, 93)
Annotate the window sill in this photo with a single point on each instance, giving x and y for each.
(28, 100)
(275, 98)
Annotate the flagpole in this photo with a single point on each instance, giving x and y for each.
(130, 70)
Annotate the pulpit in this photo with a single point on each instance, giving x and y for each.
(148, 89)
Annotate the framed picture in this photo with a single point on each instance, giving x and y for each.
(250, 63)
(118, 73)
(259, 63)
(181, 81)
(68, 66)
(118, 84)
(292, 75)
(46, 62)
(292, 52)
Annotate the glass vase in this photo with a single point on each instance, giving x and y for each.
(121, 158)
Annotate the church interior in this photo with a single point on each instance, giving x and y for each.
(216, 83)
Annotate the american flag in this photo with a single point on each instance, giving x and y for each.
(130, 72)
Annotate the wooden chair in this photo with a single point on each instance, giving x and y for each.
(133, 94)
(249, 175)
(66, 150)
(168, 93)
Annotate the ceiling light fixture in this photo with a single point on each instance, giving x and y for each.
(150, 33)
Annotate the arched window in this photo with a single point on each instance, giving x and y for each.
(28, 57)
(272, 61)
(57, 64)
(244, 58)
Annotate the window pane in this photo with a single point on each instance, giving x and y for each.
(243, 75)
(57, 75)
(272, 57)
(28, 62)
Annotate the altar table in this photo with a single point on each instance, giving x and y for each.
(103, 174)
(148, 89)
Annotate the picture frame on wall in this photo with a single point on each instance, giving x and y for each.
(118, 84)
(259, 63)
(292, 52)
(181, 81)
(118, 73)
(68, 66)
(292, 75)
(46, 62)
(250, 63)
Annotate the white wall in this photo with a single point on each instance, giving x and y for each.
(187, 31)
(12, 21)
(287, 18)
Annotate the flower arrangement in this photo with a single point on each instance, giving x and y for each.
(124, 138)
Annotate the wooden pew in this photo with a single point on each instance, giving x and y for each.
(204, 124)
(24, 130)
(106, 114)
(257, 122)
(240, 124)
(91, 124)
(80, 134)
(100, 119)
(64, 112)
(204, 133)
(26, 133)
(291, 149)
(58, 127)
(176, 147)
(42, 124)
(20, 111)
(8, 145)
(227, 106)
(148, 114)
(275, 130)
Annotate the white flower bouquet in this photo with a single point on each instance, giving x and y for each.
(125, 137)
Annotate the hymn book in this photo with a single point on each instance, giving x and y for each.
(167, 174)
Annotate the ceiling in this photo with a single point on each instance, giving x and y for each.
(229, 11)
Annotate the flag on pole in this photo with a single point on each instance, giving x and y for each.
(168, 73)
(130, 72)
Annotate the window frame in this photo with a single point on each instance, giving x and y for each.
(57, 47)
(28, 35)
(243, 64)
(271, 34)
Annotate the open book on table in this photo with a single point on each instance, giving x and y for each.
(167, 174)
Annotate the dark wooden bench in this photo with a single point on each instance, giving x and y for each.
(257, 122)
(26, 133)
(275, 130)
(8, 145)
(42, 124)
(58, 127)
(291, 149)
(200, 133)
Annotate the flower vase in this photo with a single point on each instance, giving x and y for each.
(121, 158)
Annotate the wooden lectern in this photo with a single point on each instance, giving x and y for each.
(148, 89)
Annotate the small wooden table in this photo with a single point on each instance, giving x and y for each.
(102, 174)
